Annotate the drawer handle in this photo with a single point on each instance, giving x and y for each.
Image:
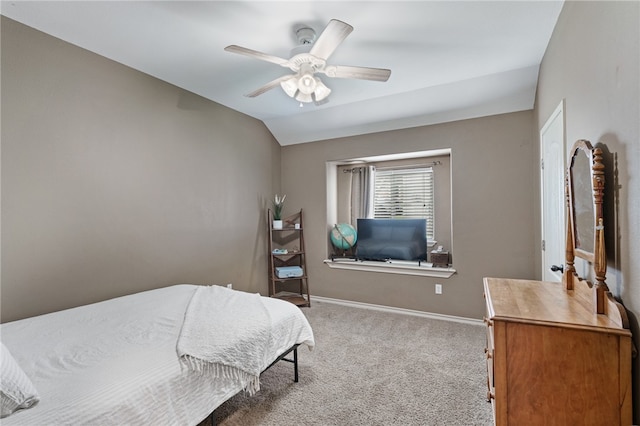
(490, 396)
(489, 355)
(487, 321)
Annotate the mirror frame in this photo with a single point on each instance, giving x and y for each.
(598, 257)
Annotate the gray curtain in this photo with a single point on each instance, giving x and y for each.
(362, 190)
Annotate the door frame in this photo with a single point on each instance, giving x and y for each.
(558, 114)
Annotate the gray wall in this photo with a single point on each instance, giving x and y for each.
(593, 62)
(115, 182)
(494, 200)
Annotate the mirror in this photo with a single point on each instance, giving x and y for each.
(585, 224)
(581, 197)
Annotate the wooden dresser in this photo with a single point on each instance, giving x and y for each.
(551, 360)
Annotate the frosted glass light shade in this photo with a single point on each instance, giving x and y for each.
(307, 84)
(321, 91)
(303, 97)
(306, 89)
(290, 86)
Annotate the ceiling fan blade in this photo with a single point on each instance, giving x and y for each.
(258, 55)
(334, 33)
(361, 73)
(269, 86)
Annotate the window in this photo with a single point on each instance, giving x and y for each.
(405, 193)
(404, 185)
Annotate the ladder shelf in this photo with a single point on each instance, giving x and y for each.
(286, 249)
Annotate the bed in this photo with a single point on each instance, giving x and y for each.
(116, 362)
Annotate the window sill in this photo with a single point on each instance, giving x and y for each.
(391, 267)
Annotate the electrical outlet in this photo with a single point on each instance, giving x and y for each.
(438, 288)
(229, 285)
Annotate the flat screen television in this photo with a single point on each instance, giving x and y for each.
(386, 239)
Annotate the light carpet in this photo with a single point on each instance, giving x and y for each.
(373, 368)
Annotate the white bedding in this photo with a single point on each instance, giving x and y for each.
(115, 362)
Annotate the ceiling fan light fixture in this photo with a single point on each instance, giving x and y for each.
(290, 86)
(301, 90)
(307, 84)
(304, 97)
(321, 91)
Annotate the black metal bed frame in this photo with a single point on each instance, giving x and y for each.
(294, 361)
(282, 357)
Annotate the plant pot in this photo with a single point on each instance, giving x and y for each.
(277, 224)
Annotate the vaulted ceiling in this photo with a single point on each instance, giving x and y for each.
(449, 60)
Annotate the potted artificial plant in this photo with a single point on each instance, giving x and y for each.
(278, 204)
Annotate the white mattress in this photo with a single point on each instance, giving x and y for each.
(115, 362)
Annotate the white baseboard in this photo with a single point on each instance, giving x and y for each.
(392, 309)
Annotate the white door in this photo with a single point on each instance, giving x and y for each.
(552, 183)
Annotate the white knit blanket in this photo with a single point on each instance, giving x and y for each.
(226, 333)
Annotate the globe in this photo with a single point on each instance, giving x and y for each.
(343, 236)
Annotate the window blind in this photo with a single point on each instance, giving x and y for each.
(405, 194)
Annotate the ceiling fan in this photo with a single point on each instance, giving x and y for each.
(304, 86)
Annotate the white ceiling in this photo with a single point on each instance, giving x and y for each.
(450, 60)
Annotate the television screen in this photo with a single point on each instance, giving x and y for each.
(383, 239)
